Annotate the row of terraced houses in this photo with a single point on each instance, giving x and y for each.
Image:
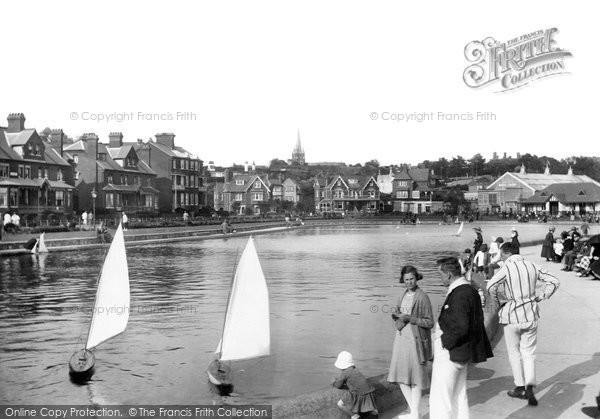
(51, 173)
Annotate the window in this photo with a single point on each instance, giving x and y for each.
(352, 181)
(239, 197)
(109, 178)
(257, 196)
(239, 181)
(257, 184)
(76, 175)
(371, 194)
(60, 198)
(122, 180)
(338, 193)
(416, 194)
(40, 173)
(46, 173)
(110, 200)
(4, 170)
(59, 175)
(75, 158)
(290, 189)
(401, 194)
(403, 183)
(21, 171)
(148, 199)
(13, 198)
(174, 164)
(3, 198)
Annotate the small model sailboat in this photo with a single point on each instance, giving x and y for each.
(460, 229)
(246, 331)
(111, 308)
(42, 244)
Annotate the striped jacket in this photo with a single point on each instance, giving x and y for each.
(519, 277)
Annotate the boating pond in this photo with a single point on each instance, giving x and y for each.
(330, 288)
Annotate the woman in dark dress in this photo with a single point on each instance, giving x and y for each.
(515, 238)
(478, 240)
(547, 245)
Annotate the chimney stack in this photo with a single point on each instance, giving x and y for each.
(166, 138)
(91, 144)
(56, 140)
(16, 122)
(115, 139)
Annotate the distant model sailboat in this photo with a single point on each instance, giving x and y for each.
(460, 229)
(246, 331)
(111, 308)
(42, 244)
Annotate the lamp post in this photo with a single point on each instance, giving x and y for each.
(94, 195)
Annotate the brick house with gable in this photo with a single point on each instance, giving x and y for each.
(343, 194)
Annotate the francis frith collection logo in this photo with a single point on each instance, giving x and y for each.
(514, 63)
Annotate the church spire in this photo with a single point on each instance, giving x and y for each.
(298, 153)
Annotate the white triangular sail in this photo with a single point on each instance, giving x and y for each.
(460, 229)
(34, 249)
(42, 244)
(246, 333)
(111, 310)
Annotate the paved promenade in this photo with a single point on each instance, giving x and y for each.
(568, 358)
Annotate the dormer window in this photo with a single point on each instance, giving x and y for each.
(239, 182)
(581, 193)
(352, 181)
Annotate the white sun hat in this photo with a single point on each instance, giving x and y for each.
(344, 360)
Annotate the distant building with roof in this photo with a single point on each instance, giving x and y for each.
(512, 191)
(386, 182)
(562, 198)
(34, 178)
(114, 173)
(179, 173)
(242, 193)
(342, 194)
(298, 156)
(413, 191)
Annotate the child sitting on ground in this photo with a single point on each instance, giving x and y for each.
(362, 400)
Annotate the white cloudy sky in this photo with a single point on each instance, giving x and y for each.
(256, 72)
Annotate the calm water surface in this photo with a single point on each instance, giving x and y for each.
(331, 289)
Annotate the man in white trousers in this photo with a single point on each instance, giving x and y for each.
(459, 339)
(520, 314)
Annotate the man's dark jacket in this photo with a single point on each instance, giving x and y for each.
(461, 321)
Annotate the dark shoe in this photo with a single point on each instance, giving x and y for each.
(565, 269)
(517, 393)
(531, 400)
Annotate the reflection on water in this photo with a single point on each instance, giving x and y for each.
(330, 289)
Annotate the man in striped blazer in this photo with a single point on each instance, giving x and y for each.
(519, 315)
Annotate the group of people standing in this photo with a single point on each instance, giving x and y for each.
(457, 338)
(10, 223)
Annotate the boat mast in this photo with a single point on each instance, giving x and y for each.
(237, 251)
